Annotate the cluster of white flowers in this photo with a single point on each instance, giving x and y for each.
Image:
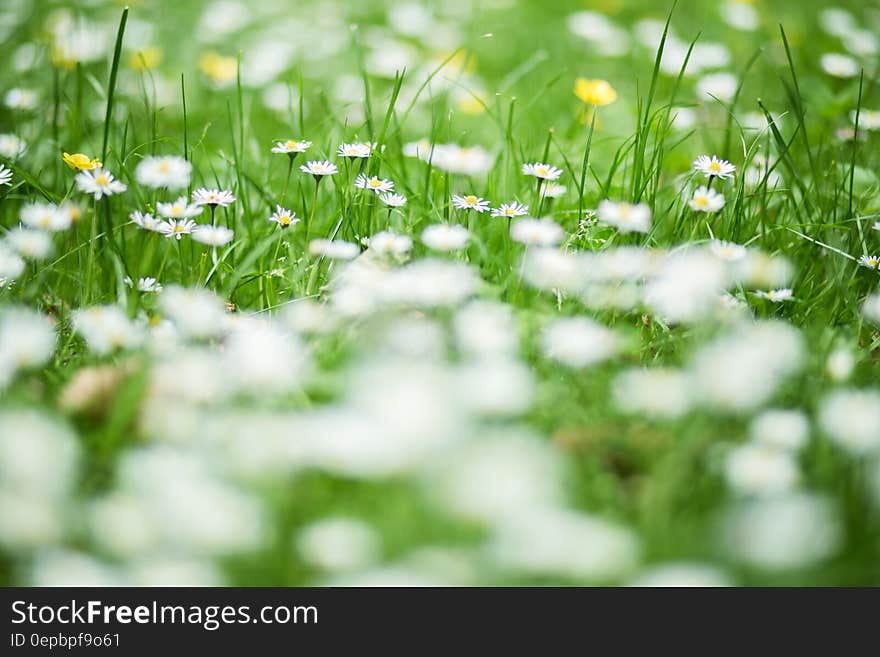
(425, 370)
(679, 286)
(178, 217)
(32, 240)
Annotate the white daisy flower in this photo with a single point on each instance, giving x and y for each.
(850, 417)
(740, 15)
(338, 545)
(179, 209)
(862, 43)
(541, 170)
(11, 146)
(443, 237)
(28, 243)
(712, 167)
(319, 168)
(728, 251)
(11, 264)
(27, 339)
(177, 227)
(776, 296)
(470, 202)
(754, 469)
(537, 232)
(291, 146)
(72, 210)
(146, 221)
(195, 312)
(5, 175)
(553, 190)
(99, 183)
(106, 329)
(389, 243)
(334, 249)
(393, 200)
(606, 37)
(45, 216)
(870, 261)
(683, 118)
(876, 226)
(284, 217)
(578, 342)
(868, 119)
(706, 200)
(21, 99)
(718, 85)
(373, 183)
(357, 150)
(168, 171)
(509, 210)
(779, 428)
(870, 308)
(145, 284)
(213, 235)
(627, 218)
(837, 21)
(760, 173)
(222, 197)
(849, 133)
(840, 66)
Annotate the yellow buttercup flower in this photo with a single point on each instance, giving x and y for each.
(219, 70)
(595, 92)
(80, 161)
(146, 59)
(470, 104)
(459, 64)
(62, 59)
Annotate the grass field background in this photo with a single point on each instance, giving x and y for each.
(566, 402)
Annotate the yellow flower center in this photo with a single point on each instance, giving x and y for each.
(178, 228)
(714, 167)
(102, 180)
(470, 199)
(541, 171)
(374, 182)
(702, 201)
(284, 220)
